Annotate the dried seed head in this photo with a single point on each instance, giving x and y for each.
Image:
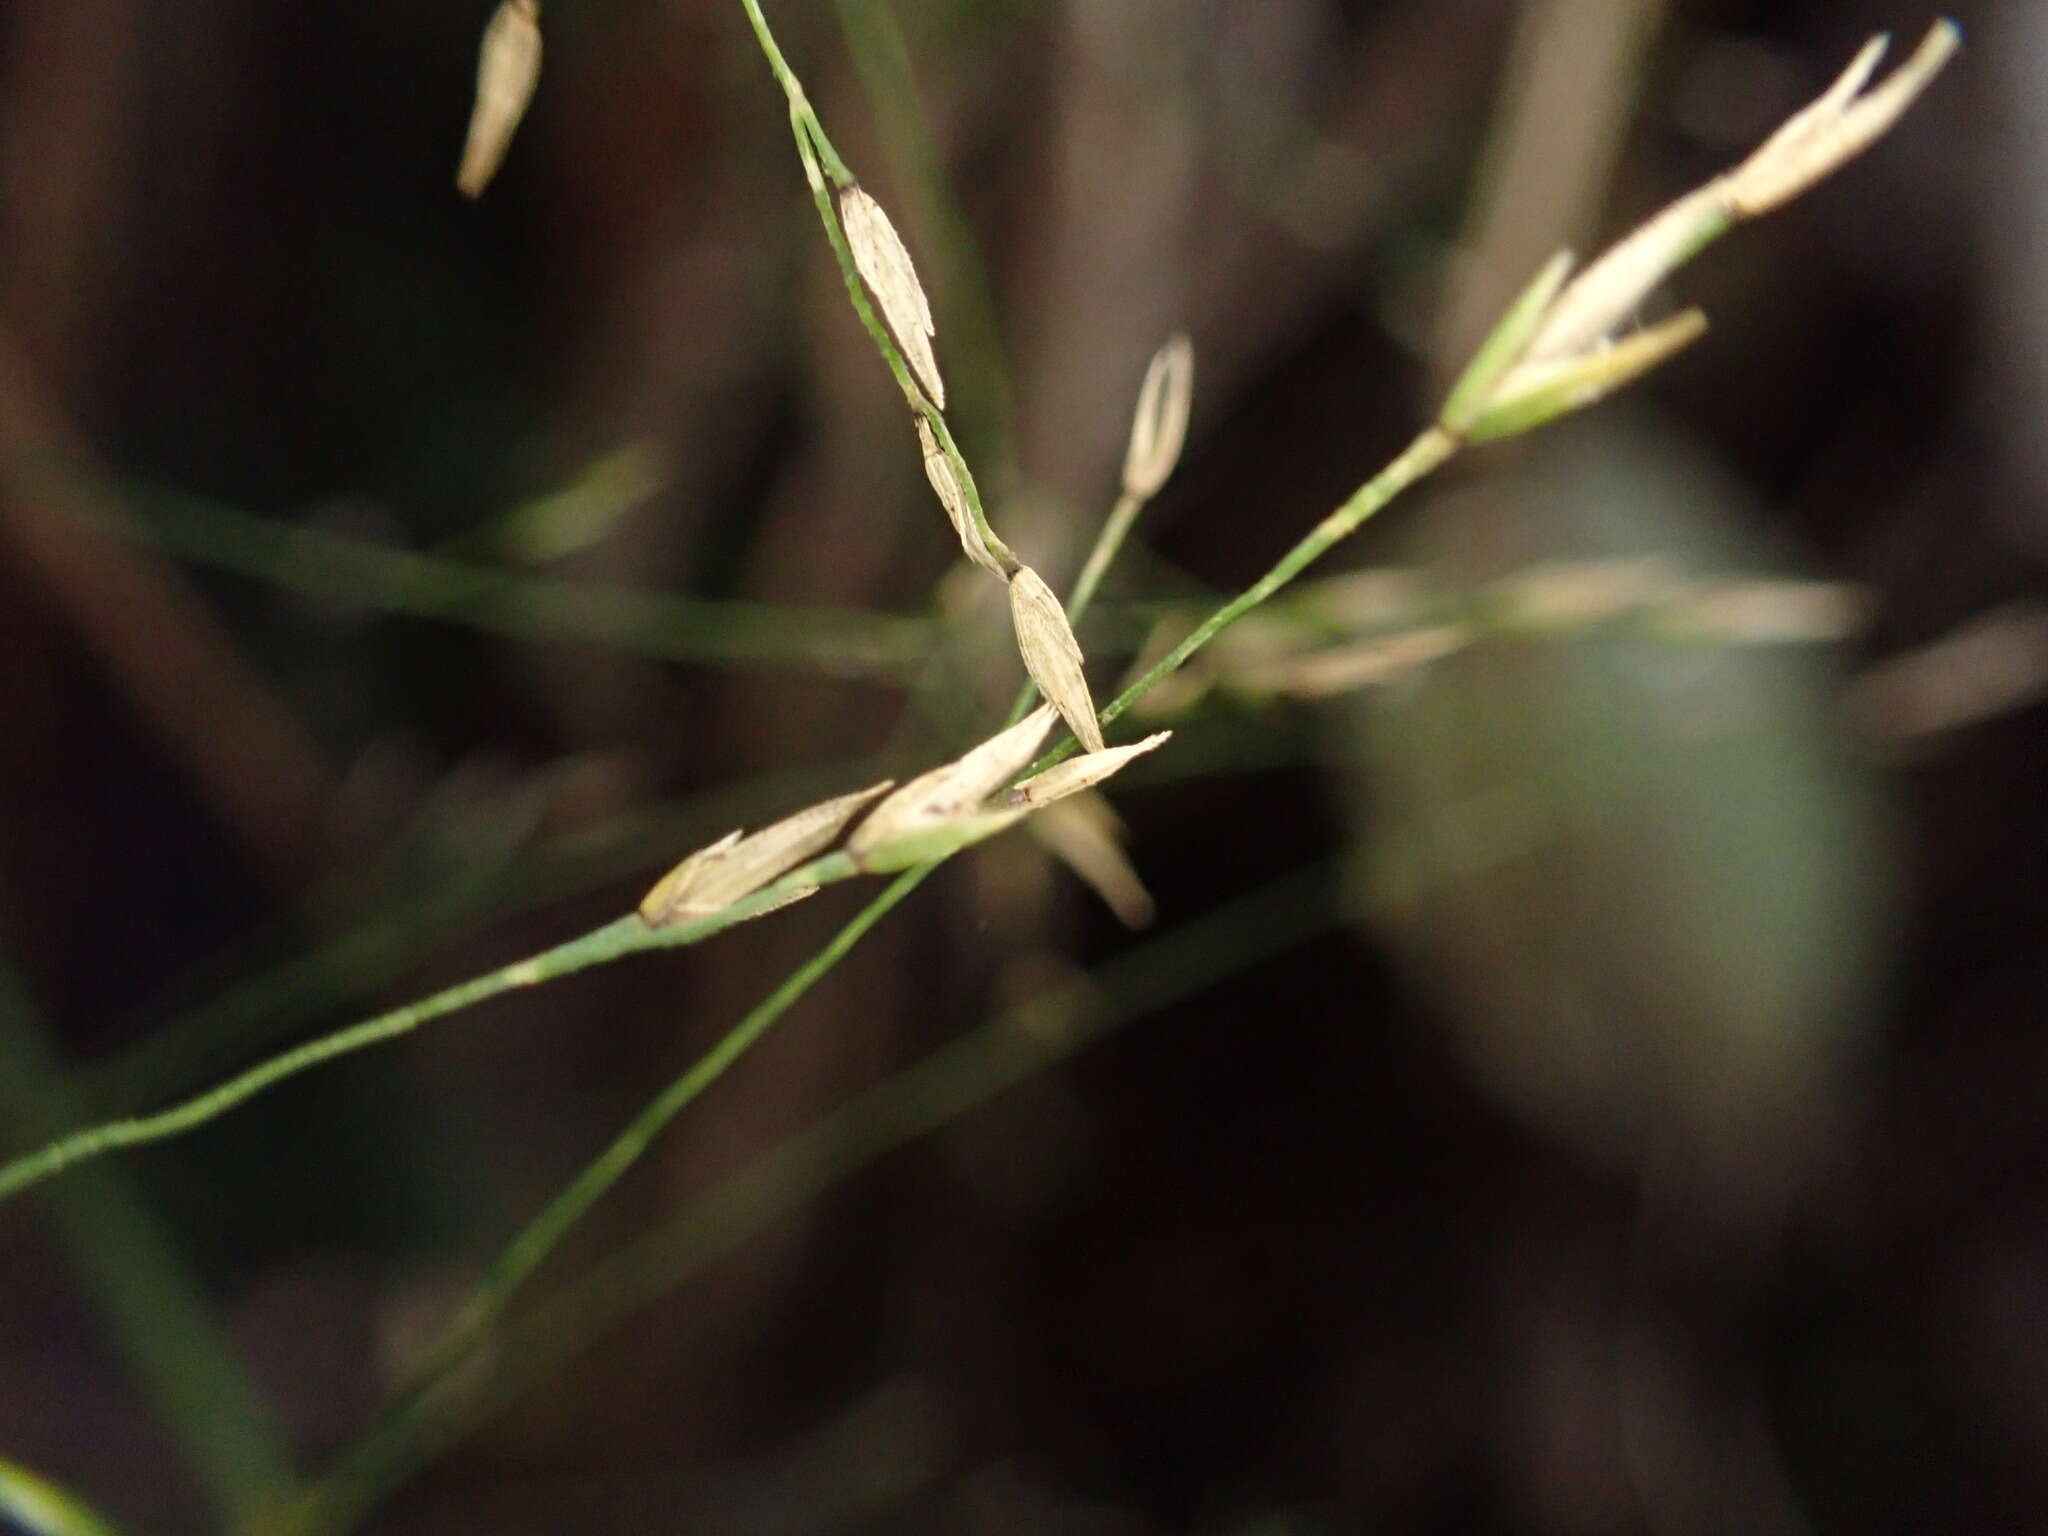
(1538, 392)
(1566, 361)
(507, 70)
(713, 878)
(673, 888)
(1160, 425)
(956, 788)
(1369, 663)
(1816, 141)
(1771, 612)
(1839, 126)
(957, 791)
(1562, 595)
(1084, 834)
(1507, 345)
(909, 846)
(1607, 293)
(1051, 653)
(884, 265)
(938, 469)
(980, 773)
(1079, 773)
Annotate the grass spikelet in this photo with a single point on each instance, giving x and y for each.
(953, 791)
(1159, 426)
(507, 71)
(1052, 655)
(884, 264)
(713, 878)
(1079, 773)
(938, 469)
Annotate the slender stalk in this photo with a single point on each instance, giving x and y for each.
(531, 1247)
(963, 1074)
(626, 936)
(1427, 453)
(793, 88)
(326, 564)
(154, 1307)
(981, 375)
(1115, 530)
(358, 962)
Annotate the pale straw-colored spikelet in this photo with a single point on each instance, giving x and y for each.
(1771, 612)
(507, 70)
(661, 904)
(1084, 833)
(713, 878)
(884, 264)
(1839, 126)
(1051, 653)
(1551, 353)
(947, 808)
(912, 840)
(975, 775)
(938, 469)
(959, 786)
(1812, 144)
(1159, 427)
(957, 805)
(1079, 773)
(1603, 296)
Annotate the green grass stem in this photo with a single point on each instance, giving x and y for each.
(324, 564)
(153, 1305)
(968, 1072)
(626, 936)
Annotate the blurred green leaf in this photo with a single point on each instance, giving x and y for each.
(41, 1508)
(1679, 950)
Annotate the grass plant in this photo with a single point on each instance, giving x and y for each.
(1565, 344)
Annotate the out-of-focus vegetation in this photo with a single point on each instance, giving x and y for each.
(1584, 1074)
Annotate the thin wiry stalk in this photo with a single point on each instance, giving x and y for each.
(799, 103)
(538, 1239)
(1114, 531)
(881, 60)
(526, 607)
(1425, 454)
(968, 1072)
(629, 935)
(626, 936)
(356, 962)
(154, 1308)
(531, 1247)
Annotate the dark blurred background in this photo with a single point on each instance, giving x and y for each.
(1628, 1113)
